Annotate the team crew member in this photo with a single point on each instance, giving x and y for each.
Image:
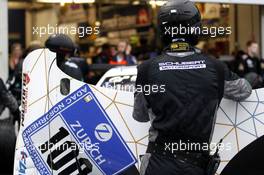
(7, 131)
(185, 112)
(253, 66)
(252, 62)
(7, 100)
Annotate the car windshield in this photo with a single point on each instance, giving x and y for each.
(124, 83)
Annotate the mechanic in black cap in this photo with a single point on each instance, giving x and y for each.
(183, 113)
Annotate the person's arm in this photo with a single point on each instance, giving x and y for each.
(140, 112)
(7, 99)
(236, 88)
(259, 67)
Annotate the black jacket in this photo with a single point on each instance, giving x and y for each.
(252, 64)
(7, 99)
(194, 86)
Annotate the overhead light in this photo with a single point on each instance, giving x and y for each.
(97, 23)
(55, 1)
(225, 5)
(136, 2)
(66, 1)
(157, 2)
(84, 1)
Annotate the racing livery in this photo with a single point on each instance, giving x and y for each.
(73, 127)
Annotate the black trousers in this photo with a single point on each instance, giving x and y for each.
(155, 164)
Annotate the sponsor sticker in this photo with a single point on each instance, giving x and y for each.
(26, 80)
(179, 46)
(185, 65)
(22, 163)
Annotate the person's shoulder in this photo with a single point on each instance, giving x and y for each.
(1, 81)
(145, 64)
(2, 85)
(245, 56)
(149, 62)
(206, 56)
(213, 60)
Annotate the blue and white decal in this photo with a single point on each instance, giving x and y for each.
(22, 163)
(80, 123)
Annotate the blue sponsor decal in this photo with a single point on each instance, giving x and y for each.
(90, 126)
(22, 163)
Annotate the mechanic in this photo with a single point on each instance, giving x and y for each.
(8, 100)
(7, 130)
(252, 61)
(186, 111)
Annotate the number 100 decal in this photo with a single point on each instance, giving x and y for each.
(76, 136)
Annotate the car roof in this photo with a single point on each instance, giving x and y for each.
(122, 70)
(118, 71)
